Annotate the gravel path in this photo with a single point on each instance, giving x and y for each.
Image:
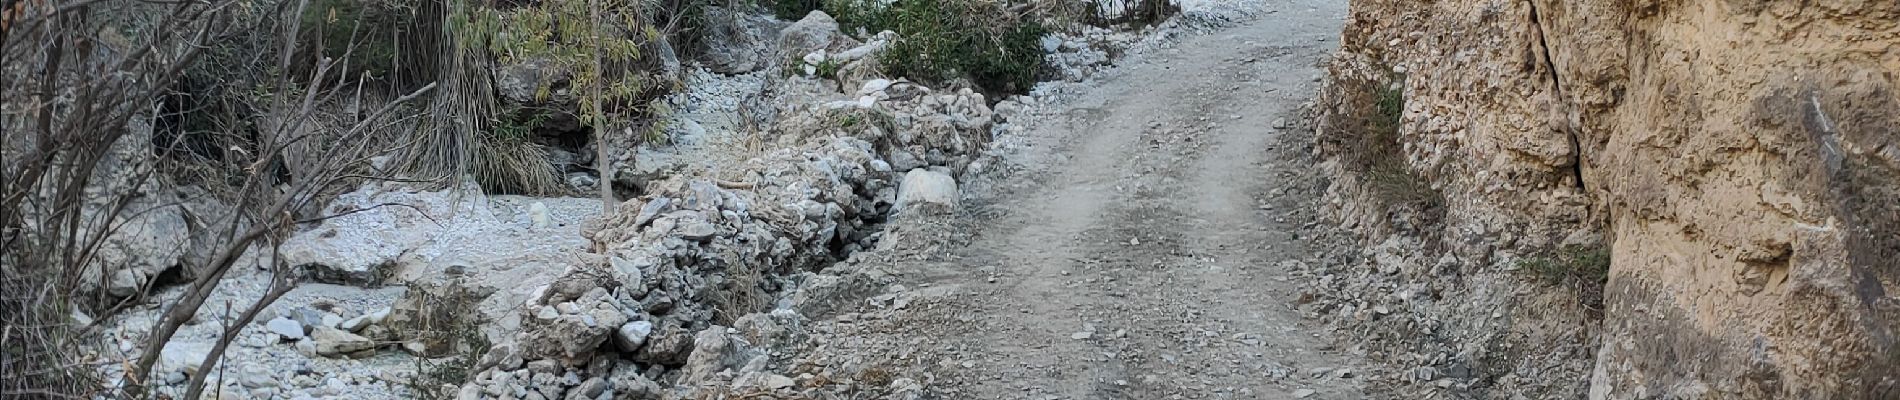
(1142, 260)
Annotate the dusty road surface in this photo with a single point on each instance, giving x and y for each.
(1139, 257)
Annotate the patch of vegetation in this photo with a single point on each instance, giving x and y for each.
(363, 29)
(434, 378)
(1391, 110)
(1132, 12)
(520, 124)
(792, 10)
(828, 69)
(1584, 268)
(1380, 146)
(599, 48)
(940, 41)
(438, 320)
(508, 160)
(741, 293)
(1075, 15)
(1368, 142)
(40, 328)
(860, 119)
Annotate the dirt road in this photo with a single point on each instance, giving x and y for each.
(1141, 258)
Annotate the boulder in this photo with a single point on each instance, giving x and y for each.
(869, 50)
(903, 160)
(138, 240)
(285, 328)
(306, 318)
(816, 32)
(401, 232)
(368, 245)
(469, 392)
(143, 243)
(629, 383)
(776, 382)
(669, 345)
(255, 376)
(334, 342)
(823, 295)
(569, 337)
(715, 351)
(589, 389)
(523, 83)
(364, 321)
(670, 66)
(632, 335)
(306, 348)
(538, 215)
(926, 191)
(627, 270)
(695, 227)
(736, 42)
(182, 357)
(874, 86)
(501, 356)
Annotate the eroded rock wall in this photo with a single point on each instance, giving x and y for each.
(1740, 159)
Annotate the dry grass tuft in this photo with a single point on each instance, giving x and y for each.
(741, 294)
(1369, 144)
(34, 332)
(1585, 269)
(514, 166)
(441, 320)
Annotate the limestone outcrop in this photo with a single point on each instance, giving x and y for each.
(1738, 161)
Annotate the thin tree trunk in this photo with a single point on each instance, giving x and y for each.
(606, 175)
(600, 121)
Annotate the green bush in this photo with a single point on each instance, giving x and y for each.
(368, 25)
(795, 9)
(1584, 268)
(599, 46)
(941, 41)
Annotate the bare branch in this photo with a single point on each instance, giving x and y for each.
(425, 214)
(281, 283)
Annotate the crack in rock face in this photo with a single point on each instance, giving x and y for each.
(1744, 215)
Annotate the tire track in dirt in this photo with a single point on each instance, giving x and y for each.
(1143, 267)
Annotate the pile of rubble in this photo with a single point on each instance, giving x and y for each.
(704, 283)
(692, 284)
(1440, 332)
(693, 253)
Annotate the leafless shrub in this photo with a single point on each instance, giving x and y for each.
(437, 317)
(436, 320)
(68, 176)
(72, 86)
(742, 293)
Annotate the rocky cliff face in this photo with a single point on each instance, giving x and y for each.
(1740, 161)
